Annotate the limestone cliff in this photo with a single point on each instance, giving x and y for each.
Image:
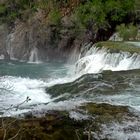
(39, 30)
(36, 40)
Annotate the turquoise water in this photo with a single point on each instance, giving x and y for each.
(19, 80)
(136, 44)
(32, 70)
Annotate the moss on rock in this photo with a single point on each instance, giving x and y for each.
(54, 126)
(57, 125)
(116, 47)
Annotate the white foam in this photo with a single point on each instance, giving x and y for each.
(66, 105)
(2, 57)
(78, 116)
(126, 131)
(96, 60)
(115, 37)
(15, 90)
(34, 56)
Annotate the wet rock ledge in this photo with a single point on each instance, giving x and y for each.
(60, 125)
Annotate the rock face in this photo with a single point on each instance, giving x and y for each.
(35, 40)
(3, 35)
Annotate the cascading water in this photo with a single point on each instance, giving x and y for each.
(19, 80)
(9, 49)
(34, 56)
(1, 57)
(93, 60)
(96, 60)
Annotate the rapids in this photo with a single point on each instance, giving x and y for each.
(98, 76)
(96, 60)
(43, 82)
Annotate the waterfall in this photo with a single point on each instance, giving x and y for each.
(96, 60)
(115, 37)
(34, 56)
(77, 53)
(1, 57)
(9, 47)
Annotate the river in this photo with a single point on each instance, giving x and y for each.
(97, 77)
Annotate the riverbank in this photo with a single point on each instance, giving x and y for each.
(56, 125)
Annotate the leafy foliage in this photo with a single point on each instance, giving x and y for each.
(103, 12)
(10, 10)
(43, 4)
(117, 10)
(86, 14)
(137, 4)
(54, 17)
(2, 9)
(90, 12)
(127, 32)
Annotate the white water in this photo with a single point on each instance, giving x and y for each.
(15, 90)
(115, 37)
(34, 56)
(96, 60)
(9, 49)
(1, 57)
(127, 131)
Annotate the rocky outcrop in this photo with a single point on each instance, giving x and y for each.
(3, 44)
(97, 123)
(35, 40)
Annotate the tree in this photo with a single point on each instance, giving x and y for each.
(103, 12)
(116, 10)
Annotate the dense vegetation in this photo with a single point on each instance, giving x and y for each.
(101, 12)
(93, 16)
(104, 12)
(129, 32)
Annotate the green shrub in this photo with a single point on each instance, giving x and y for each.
(54, 17)
(128, 32)
(117, 9)
(102, 13)
(13, 15)
(133, 30)
(43, 4)
(90, 12)
(2, 9)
